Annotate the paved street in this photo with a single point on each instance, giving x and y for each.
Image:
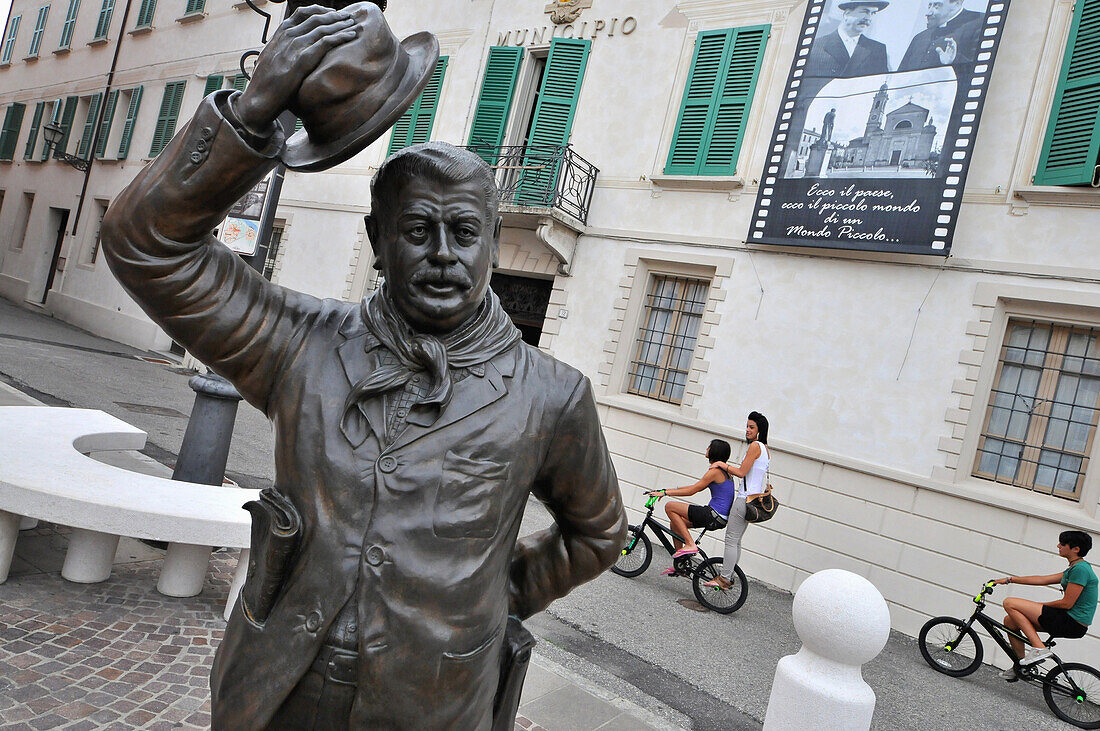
(617, 653)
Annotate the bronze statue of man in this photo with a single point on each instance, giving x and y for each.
(410, 428)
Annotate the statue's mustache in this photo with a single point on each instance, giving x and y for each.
(441, 276)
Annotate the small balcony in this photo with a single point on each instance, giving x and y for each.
(552, 177)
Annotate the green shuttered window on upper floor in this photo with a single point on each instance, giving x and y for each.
(716, 101)
(494, 103)
(39, 29)
(194, 6)
(32, 133)
(166, 118)
(104, 23)
(552, 121)
(131, 119)
(89, 125)
(9, 42)
(13, 120)
(145, 13)
(105, 125)
(415, 125)
(65, 119)
(70, 24)
(1071, 150)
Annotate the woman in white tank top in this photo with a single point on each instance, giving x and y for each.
(753, 470)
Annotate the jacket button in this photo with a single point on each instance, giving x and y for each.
(196, 157)
(201, 145)
(387, 464)
(375, 555)
(313, 621)
(206, 133)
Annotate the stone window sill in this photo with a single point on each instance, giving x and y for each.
(5, 64)
(191, 17)
(1060, 195)
(62, 51)
(698, 183)
(140, 30)
(30, 59)
(99, 41)
(244, 5)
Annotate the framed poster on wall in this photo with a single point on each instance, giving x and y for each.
(877, 125)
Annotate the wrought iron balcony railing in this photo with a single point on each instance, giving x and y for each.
(542, 176)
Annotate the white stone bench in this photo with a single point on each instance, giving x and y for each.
(45, 474)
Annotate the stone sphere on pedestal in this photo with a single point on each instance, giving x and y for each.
(841, 616)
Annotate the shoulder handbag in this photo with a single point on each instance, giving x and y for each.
(762, 507)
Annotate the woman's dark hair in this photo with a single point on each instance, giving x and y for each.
(1076, 539)
(719, 451)
(761, 422)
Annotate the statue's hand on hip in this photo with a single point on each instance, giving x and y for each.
(294, 52)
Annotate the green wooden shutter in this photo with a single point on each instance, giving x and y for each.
(70, 24)
(89, 125)
(13, 120)
(55, 118)
(166, 118)
(145, 14)
(66, 122)
(128, 126)
(239, 82)
(415, 125)
(104, 23)
(195, 6)
(213, 83)
(32, 134)
(39, 28)
(9, 44)
(495, 101)
(553, 120)
(716, 101)
(1072, 146)
(105, 126)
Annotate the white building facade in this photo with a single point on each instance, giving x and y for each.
(933, 419)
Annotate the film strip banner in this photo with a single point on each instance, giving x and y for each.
(876, 130)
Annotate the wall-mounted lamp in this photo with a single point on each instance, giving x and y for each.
(52, 134)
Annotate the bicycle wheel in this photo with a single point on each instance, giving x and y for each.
(1072, 691)
(723, 601)
(637, 554)
(950, 647)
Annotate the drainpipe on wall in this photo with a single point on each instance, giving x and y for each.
(99, 116)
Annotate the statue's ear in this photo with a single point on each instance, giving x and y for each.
(374, 240)
(496, 241)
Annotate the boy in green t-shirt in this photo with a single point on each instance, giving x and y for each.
(1069, 616)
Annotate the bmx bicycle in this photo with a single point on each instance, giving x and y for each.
(638, 553)
(952, 646)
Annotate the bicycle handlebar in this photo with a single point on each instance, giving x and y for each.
(987, 589)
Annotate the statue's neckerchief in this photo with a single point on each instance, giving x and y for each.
(487, 334)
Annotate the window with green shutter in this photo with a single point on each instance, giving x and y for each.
(166, 118)
(213, 83)
(239, 82)
(32, 133)
(105, 125)
(194, 6)
(66, 122)
(89, 125)
(55, 118)
(552, 122)
(104, 23)
(494, 104)
(39, 29)
(716, 101)
(128, 125)
(70, 24)
(415, 125)
(1071, 151)
(9, 44)
(145, 13)
(13, 120)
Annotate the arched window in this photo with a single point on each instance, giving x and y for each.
(903, 124)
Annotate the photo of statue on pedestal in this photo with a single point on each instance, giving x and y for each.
(387, 576)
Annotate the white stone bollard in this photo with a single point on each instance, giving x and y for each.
(843, 622)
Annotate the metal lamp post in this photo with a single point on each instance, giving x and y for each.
(52, 134)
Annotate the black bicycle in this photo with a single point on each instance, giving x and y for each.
(638, 554)
(952, 647)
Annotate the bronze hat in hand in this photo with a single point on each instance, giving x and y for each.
(359, 90)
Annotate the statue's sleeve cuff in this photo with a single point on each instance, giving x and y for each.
(268, 142)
